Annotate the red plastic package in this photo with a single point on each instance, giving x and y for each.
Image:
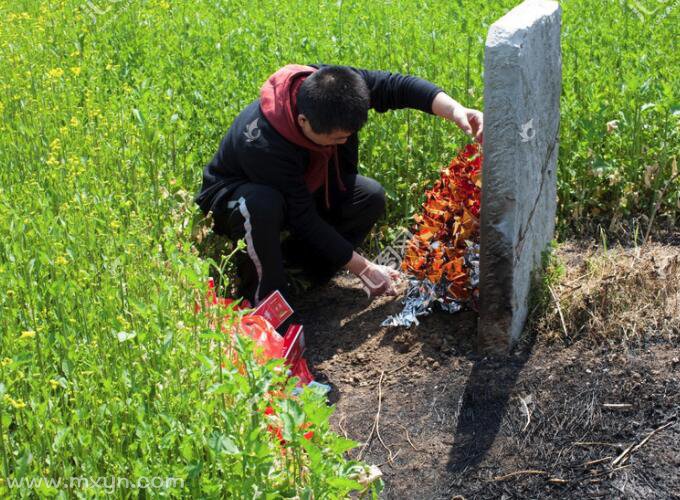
(260, 325)
(264, 335)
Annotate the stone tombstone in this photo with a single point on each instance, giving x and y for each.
(522, 85)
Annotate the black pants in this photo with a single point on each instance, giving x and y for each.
(256, 213)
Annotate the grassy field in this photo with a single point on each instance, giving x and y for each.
(108, 112)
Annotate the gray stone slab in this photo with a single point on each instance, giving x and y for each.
(522, 85)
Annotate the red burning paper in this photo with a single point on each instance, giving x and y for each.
(450, 217)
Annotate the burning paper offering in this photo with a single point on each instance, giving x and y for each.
(442, 257)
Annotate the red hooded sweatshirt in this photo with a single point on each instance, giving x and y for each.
(278, 102)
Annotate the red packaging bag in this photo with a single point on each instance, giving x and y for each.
(301, 371)
(264, 335)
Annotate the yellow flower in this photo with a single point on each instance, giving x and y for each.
(75, 70)
(115, 224)
(10, 293)
(27, 334)
(54, 383)
(18, 404)
(61, 261)
(55, 144)
(6, 361)
(74, 121)
(55, 73)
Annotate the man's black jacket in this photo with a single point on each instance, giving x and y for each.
(253, 151)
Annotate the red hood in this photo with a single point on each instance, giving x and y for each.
(278, 102)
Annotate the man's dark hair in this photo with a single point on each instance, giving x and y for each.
(334, 98)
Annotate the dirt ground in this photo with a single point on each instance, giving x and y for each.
(550, 420)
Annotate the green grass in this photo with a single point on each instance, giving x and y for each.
(104, 129)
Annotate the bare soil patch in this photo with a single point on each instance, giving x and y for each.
(561, 416)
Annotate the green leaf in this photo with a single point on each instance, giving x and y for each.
(223, 444)
(66, 367)
(345, 484)
(318, 414)
(205, 361)
(288, 426)
(138, 116)
(59, 437)
(341, 444)
(293, 408)
(217, 389)
(314, 453)
(187, 449)
(167, 341)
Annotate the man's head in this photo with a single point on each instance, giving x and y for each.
(332, 104)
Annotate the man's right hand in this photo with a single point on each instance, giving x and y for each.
(378, 280)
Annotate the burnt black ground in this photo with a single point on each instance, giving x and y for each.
(456, 423)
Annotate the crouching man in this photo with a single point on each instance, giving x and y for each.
(289, 162)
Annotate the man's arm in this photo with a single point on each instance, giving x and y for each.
(397, 91)
(470, 121)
